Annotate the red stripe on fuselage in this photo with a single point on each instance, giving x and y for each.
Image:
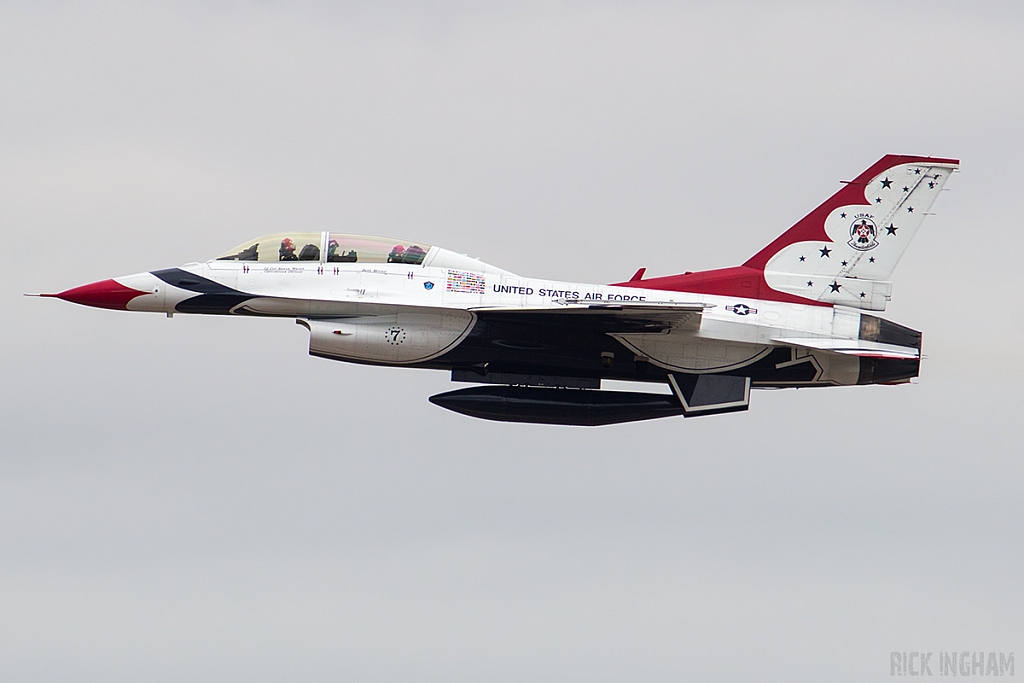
(738, 281)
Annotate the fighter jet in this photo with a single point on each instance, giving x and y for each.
(798, 313)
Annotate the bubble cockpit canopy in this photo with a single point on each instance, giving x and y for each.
(330, 247)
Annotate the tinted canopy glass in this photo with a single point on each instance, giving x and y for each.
(339, 248)
(285, 246)
(345, 248)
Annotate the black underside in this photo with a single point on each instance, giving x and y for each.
(574, 346)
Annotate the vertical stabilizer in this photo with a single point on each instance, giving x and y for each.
(845, 251)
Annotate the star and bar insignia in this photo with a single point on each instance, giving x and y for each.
(741, 309)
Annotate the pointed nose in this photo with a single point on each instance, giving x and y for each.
(106, 294)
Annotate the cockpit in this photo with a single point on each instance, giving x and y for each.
(329, 247)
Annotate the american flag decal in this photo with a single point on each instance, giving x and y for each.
(469, 283)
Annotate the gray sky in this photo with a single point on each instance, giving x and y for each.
(199, 499)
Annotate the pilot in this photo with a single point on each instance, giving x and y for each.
(396, 254)
(287, 251)
(332, 251)
(414, 255)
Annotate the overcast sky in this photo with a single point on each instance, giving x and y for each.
(199, 499)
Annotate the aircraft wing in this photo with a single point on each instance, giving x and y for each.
(852, 347)
(606, 316)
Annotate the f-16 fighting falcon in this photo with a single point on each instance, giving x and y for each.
(798, 313)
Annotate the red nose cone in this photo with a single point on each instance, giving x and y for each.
(106, 294)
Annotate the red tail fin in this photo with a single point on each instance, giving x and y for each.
(811, 228)
(842, 252)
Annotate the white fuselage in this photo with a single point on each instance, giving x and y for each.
(732, 332)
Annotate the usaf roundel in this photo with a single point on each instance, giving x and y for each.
(863, 234)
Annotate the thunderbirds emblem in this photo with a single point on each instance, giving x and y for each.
(863, 233)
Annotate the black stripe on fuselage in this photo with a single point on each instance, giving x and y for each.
(192, 282)
(214, 298)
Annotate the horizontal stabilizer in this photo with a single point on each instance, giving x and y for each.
(852, 347)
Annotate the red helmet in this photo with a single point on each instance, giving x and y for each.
(287, 243)
(398, 249)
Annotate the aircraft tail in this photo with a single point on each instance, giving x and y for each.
(841, 253)
(845, 251)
